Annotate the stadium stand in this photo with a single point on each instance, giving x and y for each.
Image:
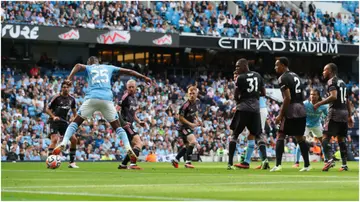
(253, 19)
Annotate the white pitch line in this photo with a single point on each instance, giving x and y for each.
(104, 195)
(190, 184)
(203, 174)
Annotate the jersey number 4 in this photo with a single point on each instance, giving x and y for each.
(253, 84)
(99, 76)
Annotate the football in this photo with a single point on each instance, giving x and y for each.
(53, 162)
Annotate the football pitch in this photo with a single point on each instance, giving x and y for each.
(160, 181)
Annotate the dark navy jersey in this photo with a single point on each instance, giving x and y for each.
(248, 88)
(128, 107)
(60, 105)
(338, 108)
(189, 111)
(290, 80)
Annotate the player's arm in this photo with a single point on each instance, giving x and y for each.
(239, 85)
(142, 123)
(284, 86)
(135, 73)
(49, 111)
(77, 68)
(73, 110)
(350, 120)
(286, 103)
(331, 98)
(262, 87)
(182, 114)
(186, 122)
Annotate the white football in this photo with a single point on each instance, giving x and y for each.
(53, 161)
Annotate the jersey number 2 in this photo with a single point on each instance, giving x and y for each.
(297, 85)
(251, 84)
(100, 73)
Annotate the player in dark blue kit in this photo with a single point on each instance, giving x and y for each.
(188, 120)
(292, 115)
(339, 117)
(249, 88)
(129, 106)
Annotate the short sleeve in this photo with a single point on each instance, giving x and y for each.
(283, 83)
(331, 85)
(183, 108)
(52, 101)
(115, 68)
(73, 103)
(240, 83)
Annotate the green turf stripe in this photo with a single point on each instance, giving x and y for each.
(102, 195)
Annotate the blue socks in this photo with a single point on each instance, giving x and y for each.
(70, 131)
(121, 132)
(298, 153)
(249, 151)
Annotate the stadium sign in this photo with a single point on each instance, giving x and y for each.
(267, 45)
(89, 36)
(277, 45)
(20, 31)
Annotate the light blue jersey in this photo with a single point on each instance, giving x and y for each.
(262, 102)
(313, 118)
(99, 79)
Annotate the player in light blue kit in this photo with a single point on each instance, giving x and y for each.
(313, 120)
(99, 97)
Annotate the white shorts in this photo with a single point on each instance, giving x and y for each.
(106, 108)
(316, 131)
(263, 115)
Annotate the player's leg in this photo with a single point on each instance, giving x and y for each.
(329, 130)
(248, 153)
(297, 150)
(137, 145)
(126, 160)
(279, 148)
(237, 129)
(318, 133)
(253, 123)
(343, 152)
(296, 127)
(261, 141)
(189, 150)
(109, 112)
(343, 128)
(54, 138)
(183, 134)
(70, 131)
(73, 143)
(86, 111)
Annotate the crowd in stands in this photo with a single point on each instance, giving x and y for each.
(25, 130)
(257, 19)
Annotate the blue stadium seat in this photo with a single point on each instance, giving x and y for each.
(158, 6)
(267, 31)
(337, 26)
(230, 32)
(187, 29)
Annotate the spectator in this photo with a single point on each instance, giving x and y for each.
(151, 157)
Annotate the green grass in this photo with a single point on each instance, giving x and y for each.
(160, 181)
